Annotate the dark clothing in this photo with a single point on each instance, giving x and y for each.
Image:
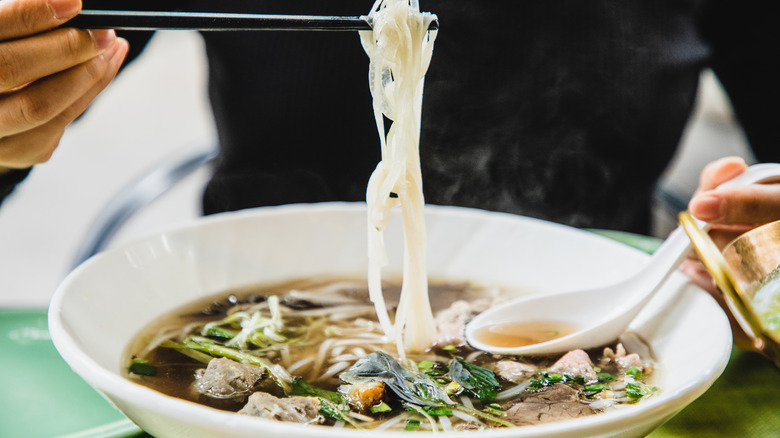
(563, 110)
(9, 180)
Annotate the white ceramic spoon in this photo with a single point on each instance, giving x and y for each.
(599, 315)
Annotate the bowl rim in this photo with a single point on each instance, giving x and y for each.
(110, 383)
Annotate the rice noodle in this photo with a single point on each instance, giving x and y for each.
(603, 404)
(285, 352)
(465, 401)
(353, 310)
(358, 340)
(344, 357)
(166, 334)
(473, 356)
(393, 421)
(322, 298)
(361, 417)
(334, 369)
(320, 358)
(299, 364)
(466, 417)
(399, 47)
(513, 391)
(445, 422)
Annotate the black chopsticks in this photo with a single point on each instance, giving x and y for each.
(207, 21)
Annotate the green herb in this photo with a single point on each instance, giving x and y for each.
(256, 329)
(635, 373)
(576, 379)
(596, 388)
(605, 377)
(411, 386)
(554, 378)
(219, 332)
(449, 348)
(331, 410)
(592, 390)
(434, 369)
(494, 409)
(302, 387)
(635, 391)
(141, 367)
(438, 410)
(381, 407)
(477, 380)
(426, 364)
(412, 425)
(420, 410)
(547, 379)
(484, 415)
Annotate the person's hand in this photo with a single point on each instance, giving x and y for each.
(48, 75)
(734, 210)
(731, 211)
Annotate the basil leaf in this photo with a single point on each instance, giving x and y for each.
(413, 387)
(302, 387)
(480, 381)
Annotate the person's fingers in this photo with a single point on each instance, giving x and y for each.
(117, 56)
(28, 59)
(41, 101)
(720, 171)
(37, 145)
(744, 205)
(21, 18)
(698, 274)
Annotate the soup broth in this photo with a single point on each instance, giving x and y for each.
(520, 334)
(316, 343)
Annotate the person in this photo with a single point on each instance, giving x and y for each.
(563, 110)
(48, 76)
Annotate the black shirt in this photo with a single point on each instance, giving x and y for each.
(566, 110)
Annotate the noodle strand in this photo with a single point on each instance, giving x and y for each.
(399, 48)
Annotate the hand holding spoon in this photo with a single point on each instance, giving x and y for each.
(577, 316)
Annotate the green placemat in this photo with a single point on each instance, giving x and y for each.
(41, 396)
(744, 402)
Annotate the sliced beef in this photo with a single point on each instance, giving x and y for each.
(514, 371)
(622, 360)
(552, 403)
(451, 322)
(575, 363)
(225, 378)
(296, 409)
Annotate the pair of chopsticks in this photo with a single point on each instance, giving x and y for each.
(206, 21)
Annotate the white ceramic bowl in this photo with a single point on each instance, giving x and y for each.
(103, 303)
